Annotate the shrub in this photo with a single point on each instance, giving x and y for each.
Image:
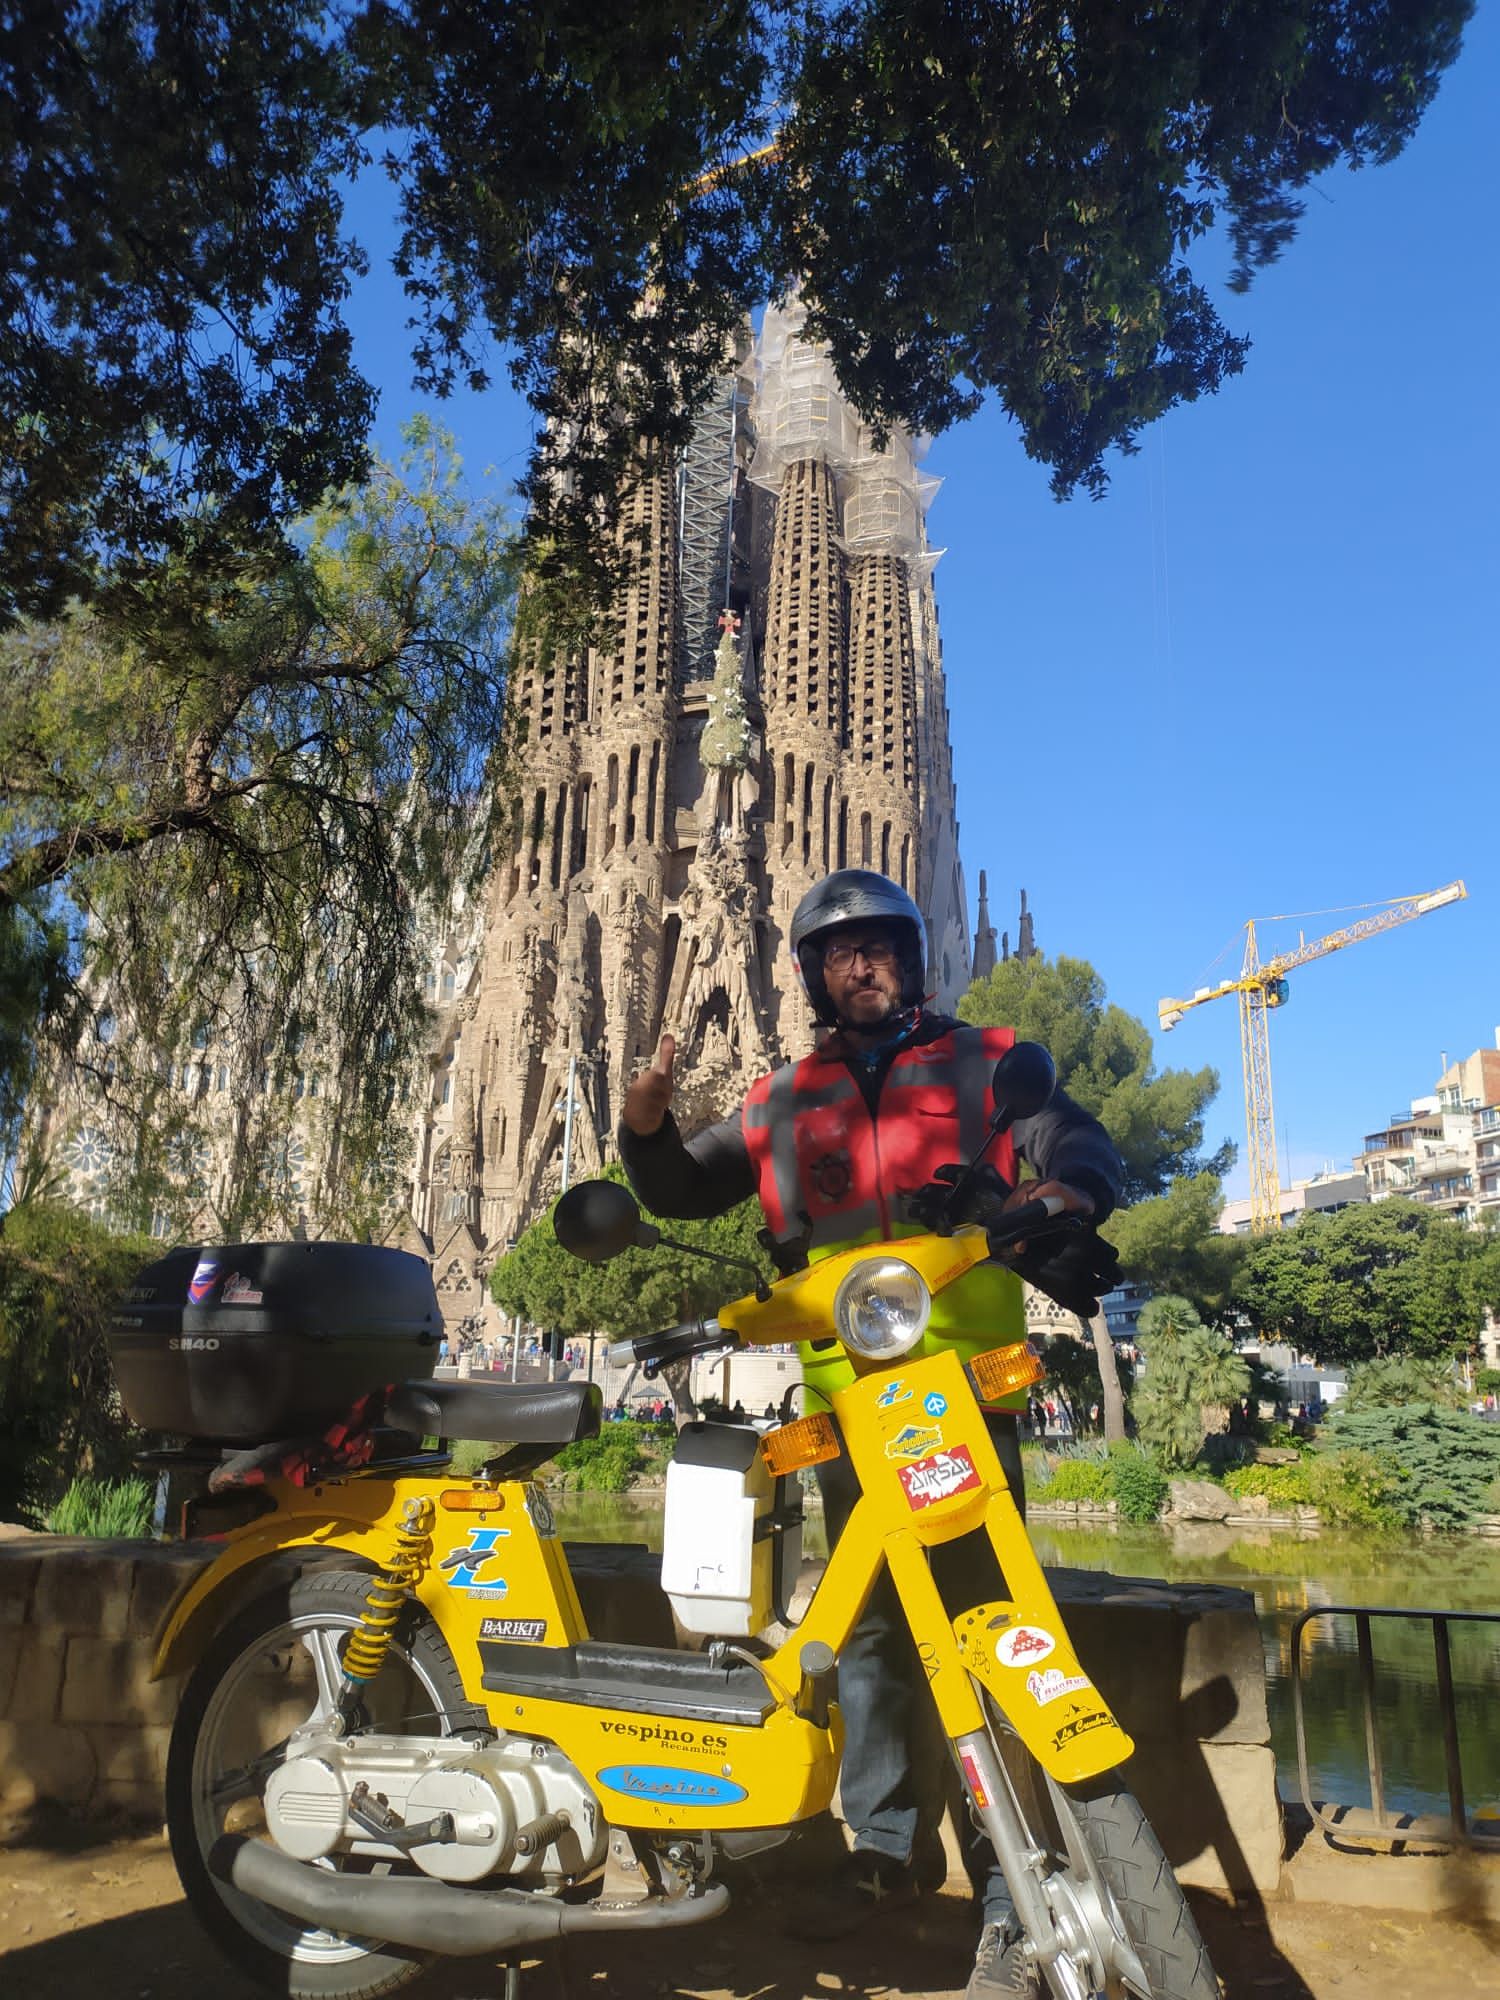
(113, 1507)
(1137, 1483)
(1356, 1489)
(1286, 1484)
(607, 1463)
(1444, 1461)
(1036, 1468)
(1079, 1479)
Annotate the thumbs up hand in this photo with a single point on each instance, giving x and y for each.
(649, 1098)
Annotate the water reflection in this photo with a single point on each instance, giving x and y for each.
(1287, 1573)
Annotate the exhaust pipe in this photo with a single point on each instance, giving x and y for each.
(434, 1916)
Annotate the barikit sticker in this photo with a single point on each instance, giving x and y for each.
(938, 1478)
(1025, 1645)
(203, 1280)
(893, 1392)
(238, 1291)
(1052, 1683)
(976, 1784)
(914, 1441)
(532, 1631)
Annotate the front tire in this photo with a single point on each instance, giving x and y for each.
(1124, 1924)
(274, 1669)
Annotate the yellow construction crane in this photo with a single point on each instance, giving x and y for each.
(1263, 986)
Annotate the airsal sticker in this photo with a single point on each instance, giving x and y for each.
(938, 1478)
(1024, 1646)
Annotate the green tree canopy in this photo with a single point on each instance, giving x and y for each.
(1105, 1061)
(1374, 1279)
(1172, 1243)
(243, 793)
(60, 1416)
(973, 200)
(635, 1293)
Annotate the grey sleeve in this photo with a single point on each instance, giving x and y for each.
(688, 1178)
(1066, 1143)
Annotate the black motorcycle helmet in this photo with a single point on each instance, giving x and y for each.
(854, 896)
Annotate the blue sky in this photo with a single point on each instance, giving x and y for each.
(1263, 674)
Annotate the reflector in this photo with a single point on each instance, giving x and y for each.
(471, 1500)
(1004, 1370)
(809, 1441)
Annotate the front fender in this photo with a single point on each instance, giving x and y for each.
(198, 1610)
(1029, 1668)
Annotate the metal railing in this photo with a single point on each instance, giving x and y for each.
(1380, 1825)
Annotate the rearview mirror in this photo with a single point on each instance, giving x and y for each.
(1025, 1078)
(596, 1220)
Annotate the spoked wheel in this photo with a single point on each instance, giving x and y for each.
(274, 1670)
(1125, 1927)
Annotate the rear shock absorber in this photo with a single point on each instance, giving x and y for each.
(370, 1640)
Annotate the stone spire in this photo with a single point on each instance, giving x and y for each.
(1025, 935)
(984, 935)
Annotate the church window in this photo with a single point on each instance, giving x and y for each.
(632, 787)
(864, 840)
(559, 825)
(651, 784)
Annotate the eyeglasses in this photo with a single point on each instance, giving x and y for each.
(878, 954)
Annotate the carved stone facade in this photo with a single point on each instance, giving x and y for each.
(679, 798)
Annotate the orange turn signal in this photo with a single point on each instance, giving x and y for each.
(1004, 1370)
(809, 1441)
(471, 1500)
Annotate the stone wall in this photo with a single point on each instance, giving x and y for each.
(83, 1726)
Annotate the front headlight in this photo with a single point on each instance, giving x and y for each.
(881, 1308)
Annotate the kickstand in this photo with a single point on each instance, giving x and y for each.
(511, 1990)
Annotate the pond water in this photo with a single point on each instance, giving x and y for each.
(1287, 1573)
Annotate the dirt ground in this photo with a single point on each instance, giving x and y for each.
(101, 1917)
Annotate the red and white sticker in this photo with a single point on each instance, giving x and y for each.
(976, 1783)
(1051, 1682)
(1024, 1646)
(938, 1477)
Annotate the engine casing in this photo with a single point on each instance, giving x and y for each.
(493, 1791)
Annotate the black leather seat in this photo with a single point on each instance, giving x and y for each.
(544, 1413)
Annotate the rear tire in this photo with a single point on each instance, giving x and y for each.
(271, 1670)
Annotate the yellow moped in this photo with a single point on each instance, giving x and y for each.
(397, 1737)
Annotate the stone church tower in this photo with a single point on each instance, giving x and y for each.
(771, 707)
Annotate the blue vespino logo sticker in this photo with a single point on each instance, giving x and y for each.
(935, 1405)
(462, 1567)
(203, 1280)
(661, 1781)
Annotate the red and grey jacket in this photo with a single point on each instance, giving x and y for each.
(831, 1170)
(825, 1163)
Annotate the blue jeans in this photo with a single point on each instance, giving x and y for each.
(898, 1772)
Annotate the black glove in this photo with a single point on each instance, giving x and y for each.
(1076, 1272)
(983, 1201)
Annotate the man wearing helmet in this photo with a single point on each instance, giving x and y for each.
(834, 1146)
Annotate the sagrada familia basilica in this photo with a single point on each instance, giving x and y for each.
(772, 706)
